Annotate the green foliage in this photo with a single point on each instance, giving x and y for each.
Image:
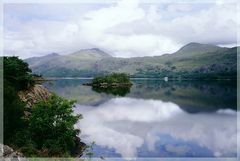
(17, 76)
(113, 78)
(13, 112)
(17, 73)
(168, 63)
(117, 84)
(50, 129)
(52, 126)
(63, 71)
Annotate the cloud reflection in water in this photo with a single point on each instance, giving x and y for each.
(127, 124)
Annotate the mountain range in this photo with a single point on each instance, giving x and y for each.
(192, 61)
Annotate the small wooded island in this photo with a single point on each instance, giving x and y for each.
(115, 80)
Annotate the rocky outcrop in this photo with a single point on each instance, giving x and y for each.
(30, 97)
(34, 94)
(9, 154)
(80, 147)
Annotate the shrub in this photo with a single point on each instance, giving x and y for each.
(52, 126)
(113, 78)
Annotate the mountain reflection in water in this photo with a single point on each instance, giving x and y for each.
(157, 119)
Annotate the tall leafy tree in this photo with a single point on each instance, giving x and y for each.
(17, 73)
(17, 76)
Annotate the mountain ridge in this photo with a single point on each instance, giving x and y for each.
(91, 51)
(193, 46)
(192, 60)
(107, 54)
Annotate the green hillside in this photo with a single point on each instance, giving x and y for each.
(193, 61)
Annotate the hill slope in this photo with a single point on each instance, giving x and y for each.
(75, 64)
(194, 60)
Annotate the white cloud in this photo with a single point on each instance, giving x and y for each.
(124, 29)
(182, 7)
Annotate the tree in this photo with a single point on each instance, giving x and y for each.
(17, 76)
(13, 112)
(168, 63)
(17, 73)
(52, 126)
(112, 78)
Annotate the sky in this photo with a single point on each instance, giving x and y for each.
(124, 28)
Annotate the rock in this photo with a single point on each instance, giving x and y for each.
(11, 155)
(87, 84)
(34, 94)
(80, 147)
(27, 114)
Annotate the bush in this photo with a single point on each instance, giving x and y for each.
(52, 126)
(113, 78)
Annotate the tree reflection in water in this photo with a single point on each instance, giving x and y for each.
(116, 91)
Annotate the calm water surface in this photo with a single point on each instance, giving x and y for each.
(156, 118)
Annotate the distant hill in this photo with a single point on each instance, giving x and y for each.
(194, 60)
(197, 48)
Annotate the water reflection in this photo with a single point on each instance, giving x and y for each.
(116, 91)
(152, 128)
(193, 97)
(73, 89)
(157, 118)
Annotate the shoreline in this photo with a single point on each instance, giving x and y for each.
(133, 78)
